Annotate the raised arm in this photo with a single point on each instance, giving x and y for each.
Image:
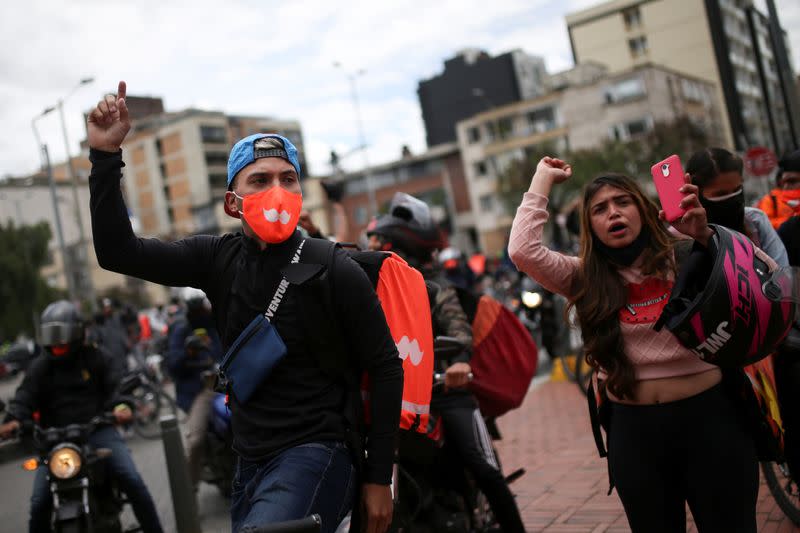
(182, 263)
(554, 271)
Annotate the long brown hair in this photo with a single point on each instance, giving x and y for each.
(599, 290)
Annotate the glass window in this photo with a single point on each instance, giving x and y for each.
(628, 89)
(632, 17)
(474, 135)
(216, 158)
(504, 127)
(541, 120)
(360, 214)
(487, 203)
(213, 134)
(480, 168)
(638, 46)
(218, 180)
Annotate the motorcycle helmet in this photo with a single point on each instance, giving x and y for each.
(409, 227)
(62, 326)
(718, 308)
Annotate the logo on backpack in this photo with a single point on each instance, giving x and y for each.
(410, 349)
(714, 342)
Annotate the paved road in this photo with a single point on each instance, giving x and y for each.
(16, 484)
(564, 489)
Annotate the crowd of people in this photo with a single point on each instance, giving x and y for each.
(662, 406)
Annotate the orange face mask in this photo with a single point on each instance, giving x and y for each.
(60, 350)
(791, 197)
(272, 214)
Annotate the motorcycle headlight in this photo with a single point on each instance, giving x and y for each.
(531, 300)
(65, 461)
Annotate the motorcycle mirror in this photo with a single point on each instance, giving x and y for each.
(30, 464)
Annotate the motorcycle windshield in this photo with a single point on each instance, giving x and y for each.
(783, 285)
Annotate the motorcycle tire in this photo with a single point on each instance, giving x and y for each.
(784, 489)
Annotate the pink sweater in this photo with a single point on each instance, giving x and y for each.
(654, 354)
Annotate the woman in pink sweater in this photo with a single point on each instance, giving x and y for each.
(674, 436)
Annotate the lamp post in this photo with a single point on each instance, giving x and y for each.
(351, 77)
(72, 175)
(56, 213)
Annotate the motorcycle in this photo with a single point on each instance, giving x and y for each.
(149, 399)
(85, 496)
(432, 490)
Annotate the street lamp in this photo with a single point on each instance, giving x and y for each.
(351, 77)
(72, 175)
(56, 213)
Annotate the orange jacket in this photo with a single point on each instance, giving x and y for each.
(779, 205)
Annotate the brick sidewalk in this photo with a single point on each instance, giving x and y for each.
(564, 489)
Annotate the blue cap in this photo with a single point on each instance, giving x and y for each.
(245, 152)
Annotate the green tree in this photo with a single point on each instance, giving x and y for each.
(23, 292)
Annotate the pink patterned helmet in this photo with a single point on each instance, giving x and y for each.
(718, 308)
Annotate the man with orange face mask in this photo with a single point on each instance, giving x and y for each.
(783, 201)
(789, 231)
(291, 427)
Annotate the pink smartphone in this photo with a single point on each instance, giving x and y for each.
(668, 177)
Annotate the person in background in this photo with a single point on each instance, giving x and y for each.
(71, 382)
(789, 231)
(718, 175)
(783, 202)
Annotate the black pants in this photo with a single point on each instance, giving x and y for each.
(696, 450)
(466, 435)
(787, 375)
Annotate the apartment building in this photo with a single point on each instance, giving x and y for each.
(729, 43)
(585, 106)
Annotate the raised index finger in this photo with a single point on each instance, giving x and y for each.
(121, 89)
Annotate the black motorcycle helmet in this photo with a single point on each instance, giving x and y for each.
(62, 327)
(409, 228)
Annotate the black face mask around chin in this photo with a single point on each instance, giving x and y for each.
(626, 255)
(728, 211)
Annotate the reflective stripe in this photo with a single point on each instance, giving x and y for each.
(482, 438)
(416, 408)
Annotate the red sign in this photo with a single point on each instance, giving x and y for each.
(760, 161)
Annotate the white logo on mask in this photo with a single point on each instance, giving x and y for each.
(272, 216)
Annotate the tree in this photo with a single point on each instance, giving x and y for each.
(634, 157)
(23, 292)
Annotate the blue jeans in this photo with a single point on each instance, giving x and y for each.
(125, 474)
(314, 478)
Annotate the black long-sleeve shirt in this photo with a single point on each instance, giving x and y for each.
(70, 389)
(298, 402)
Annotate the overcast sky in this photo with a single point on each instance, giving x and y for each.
(262, 58)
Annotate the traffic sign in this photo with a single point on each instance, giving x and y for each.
(760, 161)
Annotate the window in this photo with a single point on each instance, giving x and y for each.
(360, 214)
(625, 90)
(626, 130)
(487, 203)
(474, 135)
(633, 18)
(480, 168)
(638, 46)
(218, 181)
(541, 120)
(213, 134)
(216, 158)
(504, 127)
